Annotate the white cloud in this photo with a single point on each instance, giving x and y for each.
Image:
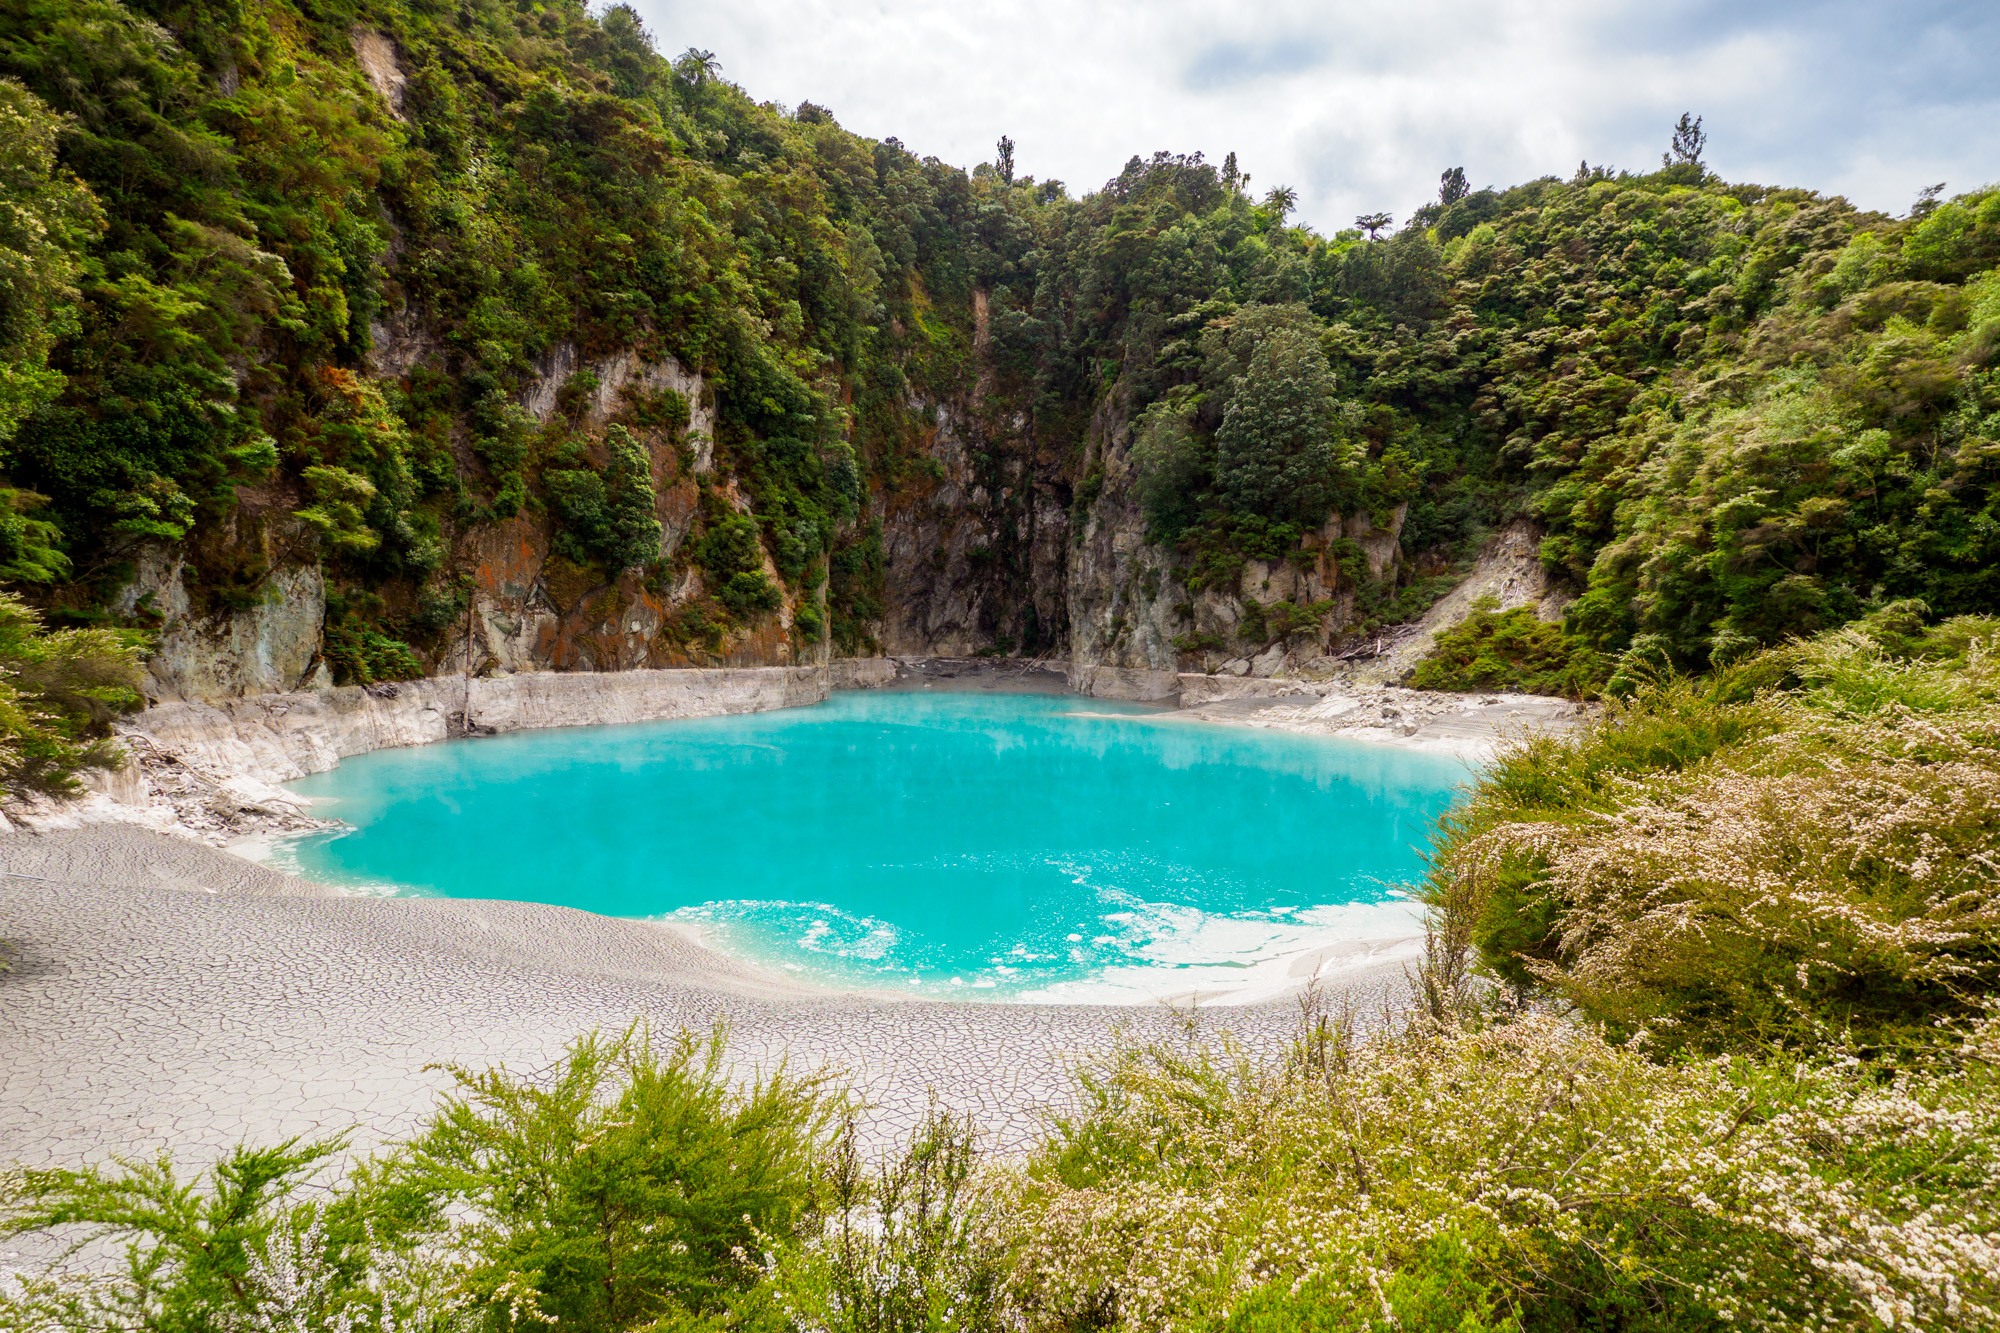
(1360, 106)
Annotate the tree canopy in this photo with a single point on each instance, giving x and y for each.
(1737, 412)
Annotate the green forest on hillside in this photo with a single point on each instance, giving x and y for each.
(1738, 412)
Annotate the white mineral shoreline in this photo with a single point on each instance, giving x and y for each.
(163, 994)
(1471, 726)
(209, 771)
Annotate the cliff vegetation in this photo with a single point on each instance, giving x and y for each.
(529, 343)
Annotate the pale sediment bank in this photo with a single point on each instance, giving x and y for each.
(210, 770)
(165, 995)
(1472, 726)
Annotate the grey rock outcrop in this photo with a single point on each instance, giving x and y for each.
(269, 646)
(209, 769)
(975, 557)
(621, 373)
(279, 737)
(1135, 625)
(1509, 572)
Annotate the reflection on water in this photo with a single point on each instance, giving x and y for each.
(1005, 846)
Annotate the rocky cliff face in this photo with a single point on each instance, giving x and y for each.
(530, 608)
(1135, 625)
(270, 644)
(984, 550)
(1122, 589)
(533, 610)
(976, 556)
(975, 559)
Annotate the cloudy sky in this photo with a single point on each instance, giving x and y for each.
(1359, 106)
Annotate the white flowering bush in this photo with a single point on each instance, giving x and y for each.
(1520, 1175)
(1805, 846)
(917, 1242)
(1530, 1174)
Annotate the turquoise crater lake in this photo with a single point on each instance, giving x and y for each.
(997, 846)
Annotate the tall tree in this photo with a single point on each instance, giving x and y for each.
(1003, 159)
(1281, 451)
(47, 217)
(699, 67)
(1452, 186)
(1689, 141)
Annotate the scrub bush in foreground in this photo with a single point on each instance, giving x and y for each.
(1528, 1175)
(1808, 842)
(631, 1186)
(918, 1242)
(1524, 1175)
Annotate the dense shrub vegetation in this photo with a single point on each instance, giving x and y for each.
(629, 1186)
(58, 693)
(1737, 412)
(1508, 650)
(1798, 842)
(1527, 1175)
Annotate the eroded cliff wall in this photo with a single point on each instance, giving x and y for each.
(524, 606)
(976, 556)
(1136, 625)
(984, 550)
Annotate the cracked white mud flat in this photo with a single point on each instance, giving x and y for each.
(163, 995)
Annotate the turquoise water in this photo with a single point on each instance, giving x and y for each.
(1034, 847)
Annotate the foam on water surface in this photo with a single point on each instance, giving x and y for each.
(977, 846)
